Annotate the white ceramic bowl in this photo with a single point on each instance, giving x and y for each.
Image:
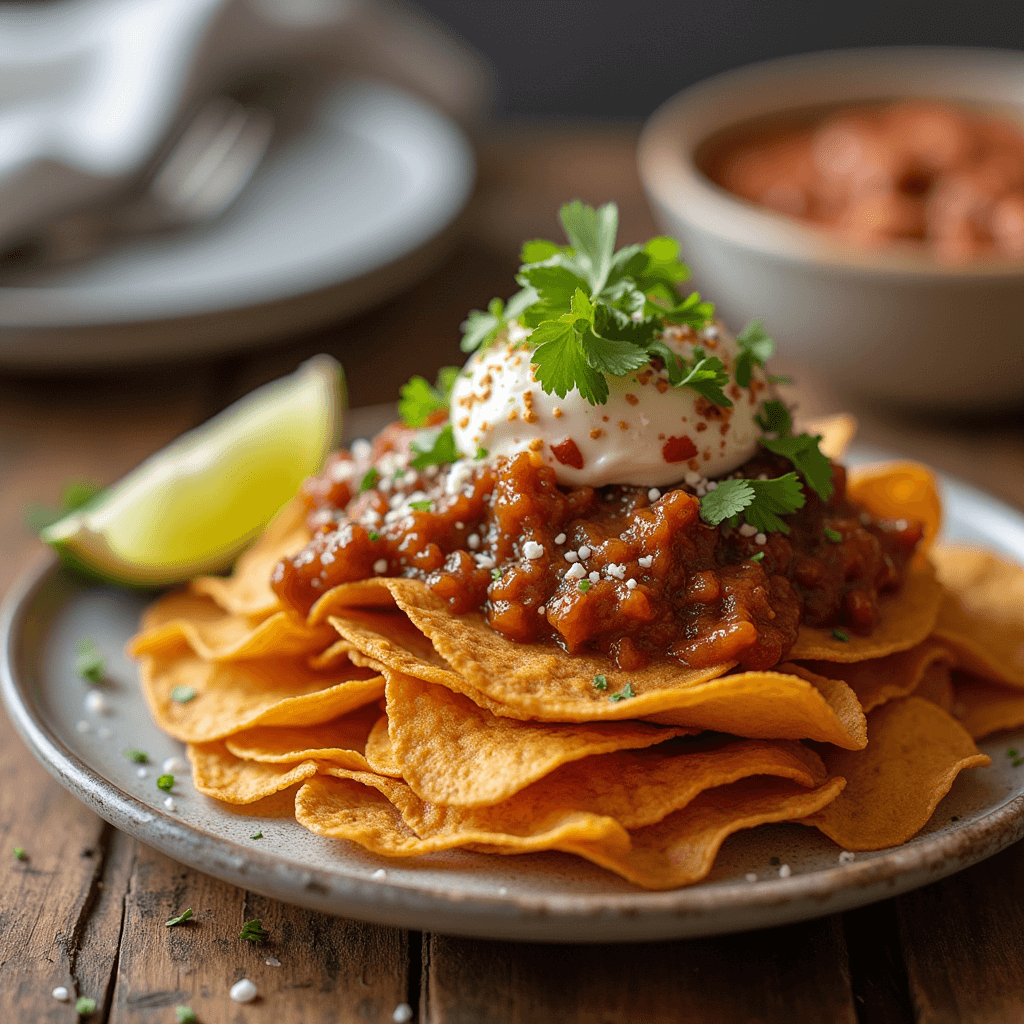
(895, 326)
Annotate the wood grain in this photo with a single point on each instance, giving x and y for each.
(781, 975)
(962, 941)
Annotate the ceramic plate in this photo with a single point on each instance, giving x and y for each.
(349, 211)
(547, 897)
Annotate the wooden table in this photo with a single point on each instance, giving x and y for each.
(87, 909)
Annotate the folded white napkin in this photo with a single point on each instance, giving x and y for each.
(91, 89)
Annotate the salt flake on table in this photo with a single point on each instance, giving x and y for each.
(61, 994)
(243, 991)
(402, 1014)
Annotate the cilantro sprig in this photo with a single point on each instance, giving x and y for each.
(756, 348)
(253, 931)
(801, 449)
(761, 502)
(595, 312)
(420, 399)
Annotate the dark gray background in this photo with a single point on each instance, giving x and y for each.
(605, 59)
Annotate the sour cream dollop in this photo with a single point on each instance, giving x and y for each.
(648, 433)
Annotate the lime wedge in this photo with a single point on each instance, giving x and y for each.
(195, 505)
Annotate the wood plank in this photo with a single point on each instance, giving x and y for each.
(331, 971)
(797, 973)
(963, 943)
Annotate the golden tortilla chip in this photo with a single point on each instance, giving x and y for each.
(983, 708)
(905, 620)
(380, 754)
(681, 849)
(341, 741)
(217, 773)
(899, 490)
(982, 616)
(914, 752)
(337, 654)
(936, 685)
(676, 851)
(452, 751)
(836, 433)
(537, 681)
(247, 591)
(236, 695)
(877, 680)
(217, 635)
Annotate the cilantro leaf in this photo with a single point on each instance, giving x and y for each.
(840, 635)
(761, 502)
(90, 664)
(624, 694)
(774, 418)
(562, 365)
(728, 499)
(807, 458)
(85, 1007)
(420, 399)
(370, 480)
(479, 329)
(537, 250)
(138, 756)
(600, 682)
(833, 535)
(442, 451)
(421, 506)
(19, 853)
(185, 1015)
(257, 835)
(165, 782)
(756, 348)
(592, 235)
(707, 376)
(253, 931)
(180, 919)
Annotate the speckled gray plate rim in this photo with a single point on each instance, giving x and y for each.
(539, 897)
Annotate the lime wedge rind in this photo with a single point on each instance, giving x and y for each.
(195, 505)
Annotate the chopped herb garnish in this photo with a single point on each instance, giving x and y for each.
(495, 574)
(421, 506)
(756, 348)
(441, 453)
(420, 400)
(138, 756)
(833, 535)
(85, 1007)
(595, 312)
(584, 586)
(373, 535)
(481, 453)
(840, 635)
(774, 378)
(600, 683)
(186, 1015)
(90, 663)
(183, 694)
(1012, 753)
(1017, 762)
(253, 931)
(756, 558)
(801, 449)
(19, 853)
(370, 480)
(624, 694)
(256, 835)
(760, 501)
(166, 783)
(185, 915)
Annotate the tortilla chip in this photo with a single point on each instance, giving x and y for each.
(380, 754)
(936, 685)
(341, 741)
(452, 751)
(915, 751)
(217, 773)
(982, 616)
(247, 591)
(677, 851)
(905, 620)
(836, 433)
(880, 679)
(681, 849)
(217, 635)
(899, 490)
(537, 681)
(983, 708)
(337, 654)
(236, 695)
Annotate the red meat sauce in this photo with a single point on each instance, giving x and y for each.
(667, 584)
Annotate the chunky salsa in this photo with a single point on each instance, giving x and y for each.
(629, 571)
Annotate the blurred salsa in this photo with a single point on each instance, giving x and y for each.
(919, 173)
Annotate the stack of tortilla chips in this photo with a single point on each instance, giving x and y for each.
(393, 724)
